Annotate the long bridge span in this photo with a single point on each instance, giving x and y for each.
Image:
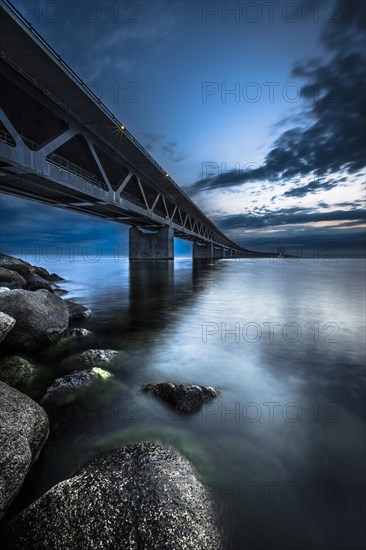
(59, 144)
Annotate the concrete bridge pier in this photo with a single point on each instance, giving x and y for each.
(202, 251)
(208, 251)
(151, 246)
(218, 252)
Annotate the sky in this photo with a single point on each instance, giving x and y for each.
(255, 108)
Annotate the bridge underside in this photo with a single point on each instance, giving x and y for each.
(59, 146)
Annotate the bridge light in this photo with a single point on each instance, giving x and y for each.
(121, 127)
(167, 175)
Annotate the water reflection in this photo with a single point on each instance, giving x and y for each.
(283, 447)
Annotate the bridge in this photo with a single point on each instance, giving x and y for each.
(60, 145)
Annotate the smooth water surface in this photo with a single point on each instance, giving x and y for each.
(283, 446)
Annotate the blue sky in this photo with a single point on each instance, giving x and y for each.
(253, 107)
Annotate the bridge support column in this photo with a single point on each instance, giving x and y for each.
(218, 252)
(151, 246)
(202, 251)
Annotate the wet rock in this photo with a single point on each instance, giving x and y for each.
(45, 274)
(23, 431)
(187, 399)
(77, 311)
(60, 291)
(75, 382)
(7, 323)
(41, 318)
(11, 277)
(16, 371)
(91, 358)
(15, 264)
(79, 333)
(36, 282)
(144, 496)
(55, 277)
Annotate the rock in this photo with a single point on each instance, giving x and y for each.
(15, 370)
(55, 277)
(77, 311)
(91, 358)
(23, 431)
(41, 318)
(6, 324)
(60, 291)
(144, 496)
(79, 333)
(15, 264)
(42, 272)
(185, 399)
(12, 277)
(76, 382)
(36, 282)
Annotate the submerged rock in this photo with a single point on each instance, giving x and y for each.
(77, 311)
(79, 333)
(92, 358)
(144, 496)
(41, 318)
(75, 382)
(7, 276)
(23, 431)
(7, 323)
(15, 370)
(186, 399)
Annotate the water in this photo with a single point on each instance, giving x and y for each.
(282, 447)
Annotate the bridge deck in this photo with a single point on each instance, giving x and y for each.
(32, 70)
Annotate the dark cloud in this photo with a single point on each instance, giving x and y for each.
(331, 137)
(287, 216)
(312, 187)
(310, 243)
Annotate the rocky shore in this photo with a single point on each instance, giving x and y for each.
(141, 496)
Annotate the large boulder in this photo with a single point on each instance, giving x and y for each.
(23, 431)
(16, 370)
(186, 399)
(15, 264)
(73, 383)
(7, 276)
(77, 311)
(7, 323)
(144, 496)
(41, 318)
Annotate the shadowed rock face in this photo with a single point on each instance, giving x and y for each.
(41, 318)
(16, 371)
(23, 430)
(6, 324)
(7, 276)
(186, 399)
(36, 282)
(14, 264)
(143, 496)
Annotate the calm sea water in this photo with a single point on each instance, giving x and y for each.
(283, 446)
